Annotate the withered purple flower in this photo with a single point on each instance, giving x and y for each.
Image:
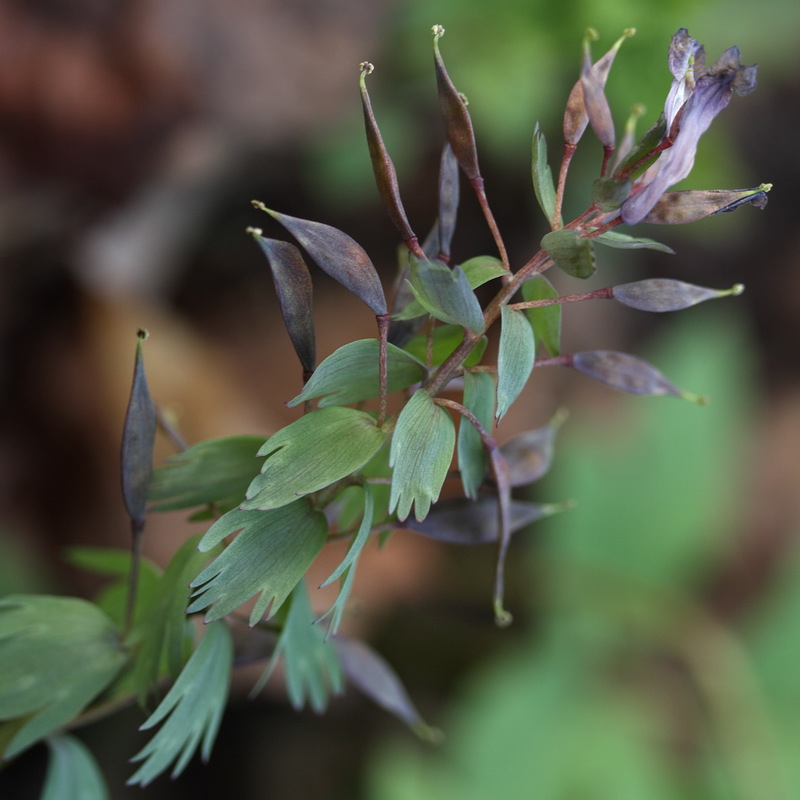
(698, 93)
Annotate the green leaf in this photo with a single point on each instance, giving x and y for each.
(515, 358)
(293, 286)
(194, 704)
(479, 394)
(646, 144)
(216, 471)
(310, 661)
(446, 338)
(72, 772)
(543, 178)
(313, 452)
(570, 252)
(422, 449)
(347, 568)
(58, 654)
(482, 269)
(138, 438)
(106, 560)
(344, 259)
(164, 628)
(545, 321)
(350, 374)
(370, 673)
(457, 520)
(608, 194)
(622, 241)
(269, 556)
(446, 294)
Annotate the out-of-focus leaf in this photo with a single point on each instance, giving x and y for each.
(545, 321)
(215, 471)
(382, 165)
(446, 294)
(515, 358)
(337, 254)
(138, 438)
(446, 338)
(457, 520)
(105, 560)
(530, 454)
(646, 144)
(350, 374)
(311, 663)
(311, 453)
(608, 194)
(422, 449)
(627, 373)
(194, 704)
(347, 568)
(34, 683)
(543, 178)
(457, 122)
(372, 675)
(678, 208)
(448, 201)
(479, 394)
(271, 553)
(570, 252)
(72, 772)
(295, 292)
(664, 294)
(622, 241)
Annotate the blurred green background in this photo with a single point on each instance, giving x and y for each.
(655, 652)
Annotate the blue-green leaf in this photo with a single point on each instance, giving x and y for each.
(216, 471)
(570, 252)
(446, 338)
(479, 394)
(422, 449)
(311, 664)
(269, 556)
(482, 269)
(546, 320)
(58, 654)
(543, 178)
(515, 358)
(623, 241)
(72, 772)
(350, 374)
(446, 294)
(311, 453)
(194, 704)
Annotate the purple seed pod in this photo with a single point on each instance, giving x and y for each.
(665, 294)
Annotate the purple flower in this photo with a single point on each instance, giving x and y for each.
(696, 96)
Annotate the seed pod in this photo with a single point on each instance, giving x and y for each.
(448, 200)
(665, 294)
(676, 208)
(382, 165)
(457, 122)
(627, 373)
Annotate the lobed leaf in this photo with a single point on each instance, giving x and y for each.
(421, 452)
(58, 654)
(138, 438)
(570, 252)
(372, 675)
(543, 185)
(515, 357)
(217, 471)
(664, 294)
(546, 320)
(350, 374)
(311, 453)
(479, 397)
(338, 255)
(270, 554)
(627, 373)
(446, 294)
(72, 772)
(295, 293)
(192, 709)
(461, 521)
(310, 661)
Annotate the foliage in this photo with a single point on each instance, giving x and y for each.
(344, 472)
